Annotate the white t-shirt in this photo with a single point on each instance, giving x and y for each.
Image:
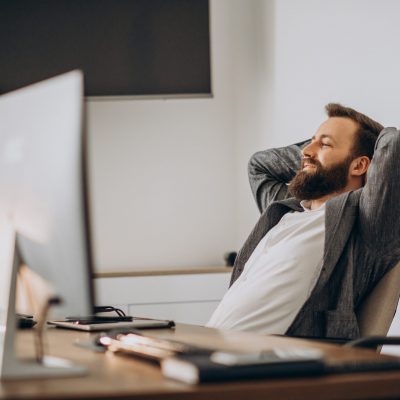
(277, 278)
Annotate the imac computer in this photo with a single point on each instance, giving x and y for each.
(44, 220)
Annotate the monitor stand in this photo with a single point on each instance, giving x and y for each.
(12, 367)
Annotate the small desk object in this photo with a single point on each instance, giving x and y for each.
(114, 376)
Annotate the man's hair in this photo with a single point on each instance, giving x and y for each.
(367, 133)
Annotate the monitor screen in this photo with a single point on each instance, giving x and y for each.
(43, 197)
(124, 47)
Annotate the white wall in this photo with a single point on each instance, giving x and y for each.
(163, 172)
(313, 52)
(344, 51)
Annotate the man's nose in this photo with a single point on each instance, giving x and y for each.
(309, 150)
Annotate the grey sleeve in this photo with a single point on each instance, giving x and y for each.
(271, 170)
(379, 221)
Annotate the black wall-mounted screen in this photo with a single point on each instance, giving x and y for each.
(124, 47)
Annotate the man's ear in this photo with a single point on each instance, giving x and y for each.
(359, 166)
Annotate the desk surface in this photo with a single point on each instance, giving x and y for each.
(121, 377)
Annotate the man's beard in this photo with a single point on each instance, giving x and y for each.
(311, 185)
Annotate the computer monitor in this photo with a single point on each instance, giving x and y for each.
(44, 220)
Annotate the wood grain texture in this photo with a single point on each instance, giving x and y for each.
(121, 377)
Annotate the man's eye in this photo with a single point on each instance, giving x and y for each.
(325, 145)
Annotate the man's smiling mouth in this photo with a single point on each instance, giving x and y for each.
(307, 165)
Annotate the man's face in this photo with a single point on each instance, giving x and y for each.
(326, 160)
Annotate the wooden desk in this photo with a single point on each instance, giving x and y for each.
(120, 377)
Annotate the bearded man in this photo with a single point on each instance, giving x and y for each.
(326, 236)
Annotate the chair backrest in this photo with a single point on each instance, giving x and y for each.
(378, 309)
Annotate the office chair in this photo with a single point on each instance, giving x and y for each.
(375, 314)
(378, 309)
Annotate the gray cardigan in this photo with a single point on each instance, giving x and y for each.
(362, 234)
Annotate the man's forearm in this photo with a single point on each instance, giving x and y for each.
(271, 170)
